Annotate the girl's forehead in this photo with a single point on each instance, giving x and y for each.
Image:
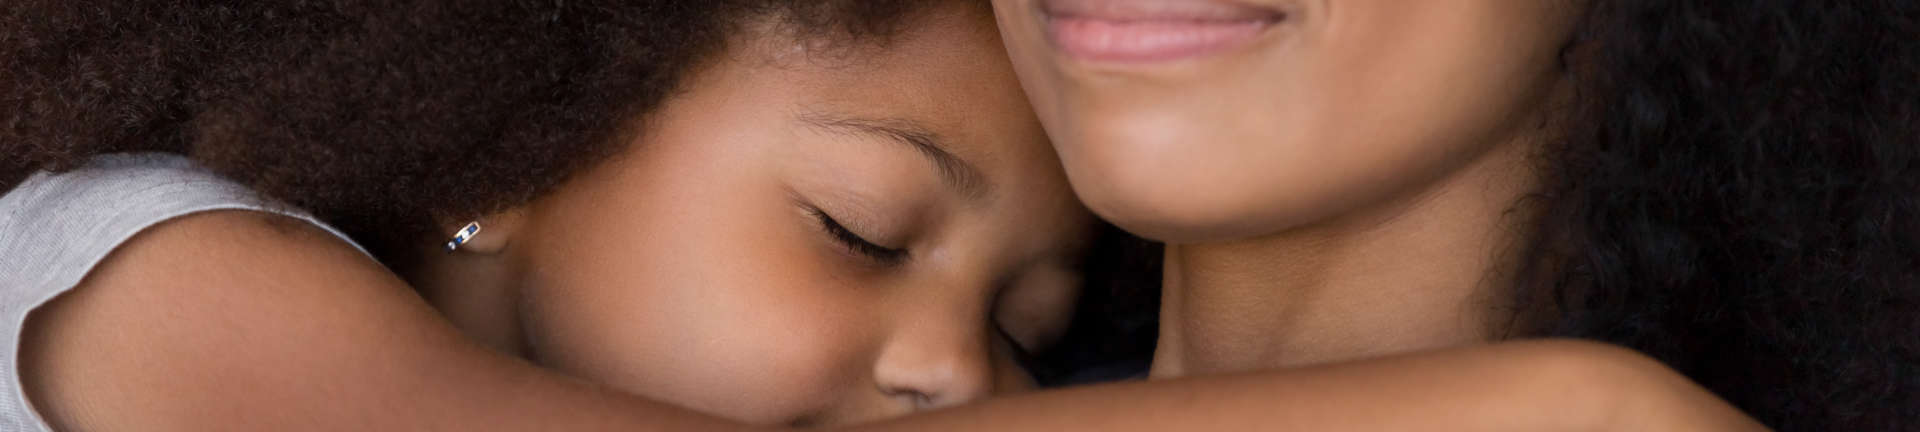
(950, 83)
(942, 83)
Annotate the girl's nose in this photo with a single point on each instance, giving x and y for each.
(936, 363)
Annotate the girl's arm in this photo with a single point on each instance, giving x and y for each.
(247, 321)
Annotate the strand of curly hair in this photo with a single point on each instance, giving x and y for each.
(1739, 196)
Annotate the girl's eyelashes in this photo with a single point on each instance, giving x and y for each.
(880, 254)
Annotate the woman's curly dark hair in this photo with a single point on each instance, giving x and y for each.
(380, 117)
(1738, 195)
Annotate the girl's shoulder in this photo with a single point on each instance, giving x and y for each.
(57, 228)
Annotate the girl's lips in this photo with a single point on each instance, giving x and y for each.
(1141, 31)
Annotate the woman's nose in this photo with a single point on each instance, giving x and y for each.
(932, 364)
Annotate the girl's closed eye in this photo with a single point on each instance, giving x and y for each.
(882, 255)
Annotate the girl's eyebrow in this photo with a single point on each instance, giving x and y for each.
(958, 175)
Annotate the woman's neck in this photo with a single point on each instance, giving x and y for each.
(1424, 270)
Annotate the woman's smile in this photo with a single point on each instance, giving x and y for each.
(1149, 31)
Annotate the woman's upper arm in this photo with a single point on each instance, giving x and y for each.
(1516, 386)
(244, 320)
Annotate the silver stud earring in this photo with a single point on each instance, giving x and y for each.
(466, 233)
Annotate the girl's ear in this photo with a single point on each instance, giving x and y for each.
(474, 284)
(490, 233)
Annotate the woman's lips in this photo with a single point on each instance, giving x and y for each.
(1139, 31)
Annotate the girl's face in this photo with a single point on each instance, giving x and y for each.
(1192, 120)
(814, 235)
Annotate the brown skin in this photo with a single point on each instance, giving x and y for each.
(333, 341)
(693, 268)
(1345, 186)
(243, 321)
(1339, 188)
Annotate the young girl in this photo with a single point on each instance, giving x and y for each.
(798, 235)
(792, 213)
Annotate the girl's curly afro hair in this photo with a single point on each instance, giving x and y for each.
(380, 117)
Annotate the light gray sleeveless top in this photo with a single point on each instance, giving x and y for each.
(54, 228)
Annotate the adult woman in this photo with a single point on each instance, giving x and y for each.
(1727, 187)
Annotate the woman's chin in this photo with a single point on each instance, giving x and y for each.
(1179, 215)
